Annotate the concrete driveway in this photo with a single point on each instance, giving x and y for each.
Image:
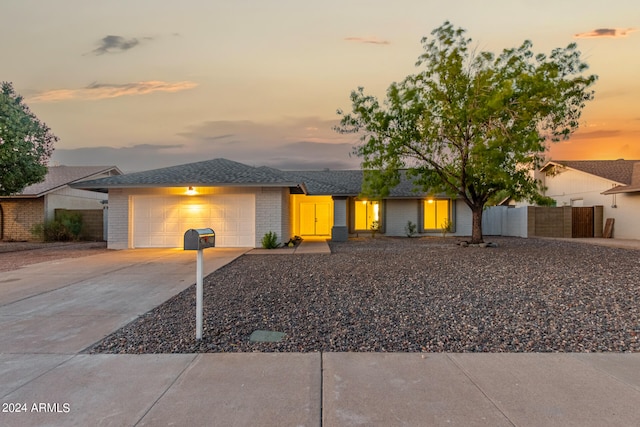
(64, 306)
(50, 312)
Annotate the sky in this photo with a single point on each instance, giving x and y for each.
(142, 84)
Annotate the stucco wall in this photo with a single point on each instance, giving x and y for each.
(397, 213)
(571, 185)
(73, 199)
(626, 215)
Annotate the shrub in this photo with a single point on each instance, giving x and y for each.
(410, 229)
(446, 227)
(270, 240)
(375, 227)
(72, 222)
(67, 226)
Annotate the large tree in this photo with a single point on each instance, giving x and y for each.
(25, 144)
(471, 124)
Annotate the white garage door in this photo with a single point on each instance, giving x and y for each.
(161, 221)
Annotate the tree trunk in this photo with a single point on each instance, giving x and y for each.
(476, 228)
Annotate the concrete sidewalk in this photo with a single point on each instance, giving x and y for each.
(50, 312)
(331, 389)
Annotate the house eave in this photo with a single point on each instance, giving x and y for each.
(80, 185)
(622, 189)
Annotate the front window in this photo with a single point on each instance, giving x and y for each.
(437, 214)
(367, 215)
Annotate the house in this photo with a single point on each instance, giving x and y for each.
(37, 203)
(613, 184)
(242, 203)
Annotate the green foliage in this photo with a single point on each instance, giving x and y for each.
(67, 226)
(270, 240)
(471, 124)
(446, 227)
(25, 143)
(410, 229)
(375, 227)
(72, 222)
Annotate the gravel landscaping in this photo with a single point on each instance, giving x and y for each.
(407, 295)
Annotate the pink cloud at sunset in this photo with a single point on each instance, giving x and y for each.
(97, 91)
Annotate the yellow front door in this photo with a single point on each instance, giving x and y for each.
(315, 219)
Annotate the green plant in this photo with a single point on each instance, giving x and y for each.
(375, 227)
(410, 229)
(270, 240)
(446, 227)
(67, 226)
(72, 222)
(51, 231)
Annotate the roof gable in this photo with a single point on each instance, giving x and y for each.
(209, 172)
(59, 176)
(620, 171)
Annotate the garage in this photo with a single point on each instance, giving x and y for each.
(160, 221)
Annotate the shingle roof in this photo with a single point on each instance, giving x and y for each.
(619, 171)
(226, 172)
(59, 176)
(634, 187)
(210, 172)
(347, 183)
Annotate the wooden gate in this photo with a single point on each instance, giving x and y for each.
(582, 222)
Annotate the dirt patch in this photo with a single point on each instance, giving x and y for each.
(14, 255)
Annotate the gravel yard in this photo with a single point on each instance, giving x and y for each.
(408, 295)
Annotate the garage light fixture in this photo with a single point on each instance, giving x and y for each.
(191, 191)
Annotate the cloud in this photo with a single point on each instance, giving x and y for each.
(288, 144)
(367, 40)
(114, 44)
(596, 134)
(97, 91)
(606, 32)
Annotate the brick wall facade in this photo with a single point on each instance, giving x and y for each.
(19, 216)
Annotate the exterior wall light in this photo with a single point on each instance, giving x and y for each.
(191, 191)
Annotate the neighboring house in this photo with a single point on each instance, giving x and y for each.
(613, 184)
(37, 203)
(242, 203)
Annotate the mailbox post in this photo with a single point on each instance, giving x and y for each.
(197, 239)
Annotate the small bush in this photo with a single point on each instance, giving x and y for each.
(66, 227)
(375, 227)
(410, 229)
(446, 227)
(270, 240)
(72, 222)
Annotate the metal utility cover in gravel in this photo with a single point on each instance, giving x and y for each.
(266, 336)
(407, 295)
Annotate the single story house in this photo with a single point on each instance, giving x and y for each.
(242, 203)
(37, 203)
(613, 184)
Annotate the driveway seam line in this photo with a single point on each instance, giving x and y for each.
(195, 356)
(72, 356)
(476, 385)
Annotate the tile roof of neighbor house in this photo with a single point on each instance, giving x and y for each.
(619, 171)
(209, 172)
(59, 176)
